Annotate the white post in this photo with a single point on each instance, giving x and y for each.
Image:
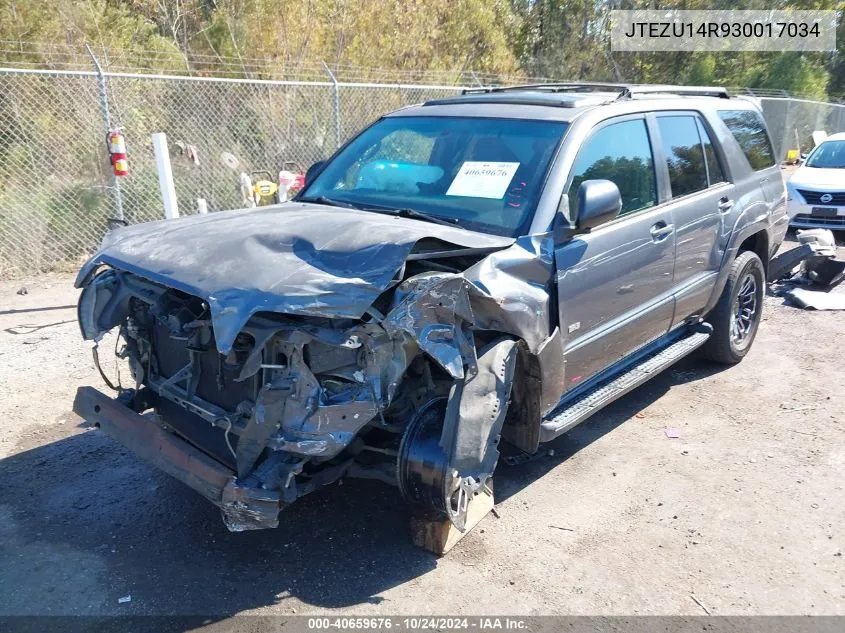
(165, 175)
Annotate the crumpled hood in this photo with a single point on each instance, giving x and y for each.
(294, 258)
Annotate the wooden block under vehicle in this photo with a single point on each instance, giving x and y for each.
(438, 537)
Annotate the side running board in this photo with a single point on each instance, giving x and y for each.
(582, 407)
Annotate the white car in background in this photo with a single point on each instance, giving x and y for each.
(816, 191)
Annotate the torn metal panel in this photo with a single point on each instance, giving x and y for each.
(249, 508)
(507, 291)
(552, 374)
(294, 258)
(481, 411)
(262, 424)
(514, 284)
(434, 311)
(442, 472)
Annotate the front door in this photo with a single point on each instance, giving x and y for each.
(614, 283)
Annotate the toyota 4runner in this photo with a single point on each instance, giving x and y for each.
(497, 265)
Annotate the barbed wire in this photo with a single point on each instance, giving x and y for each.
(31, 54)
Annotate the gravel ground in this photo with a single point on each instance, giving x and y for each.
(742, 513)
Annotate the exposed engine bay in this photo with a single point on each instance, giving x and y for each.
(415, 390)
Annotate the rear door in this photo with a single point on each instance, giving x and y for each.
(700, 202)
(615, 282)
(749, 130)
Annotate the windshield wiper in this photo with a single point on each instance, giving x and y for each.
(402, 213)
(330, 202)
(416, 215)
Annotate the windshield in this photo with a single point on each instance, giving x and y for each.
(483, 174)
(830, 155)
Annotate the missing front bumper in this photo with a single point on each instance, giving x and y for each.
(244, 507)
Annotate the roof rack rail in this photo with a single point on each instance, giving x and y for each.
(587, 86)
(625, 91)
(686, 91)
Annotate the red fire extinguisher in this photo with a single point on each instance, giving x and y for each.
(117, 151)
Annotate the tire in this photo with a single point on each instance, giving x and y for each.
(736, 317)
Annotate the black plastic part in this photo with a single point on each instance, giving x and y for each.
(827, 272)
(521, 428)
(785, 263)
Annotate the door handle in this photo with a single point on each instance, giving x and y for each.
(661, 231)
(725, 204)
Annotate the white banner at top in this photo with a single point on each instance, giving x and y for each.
(722, 31)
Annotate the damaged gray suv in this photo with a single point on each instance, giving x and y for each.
(499, 265)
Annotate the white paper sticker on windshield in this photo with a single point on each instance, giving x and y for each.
(478, 179)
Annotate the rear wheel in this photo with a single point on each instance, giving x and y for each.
(736, 317)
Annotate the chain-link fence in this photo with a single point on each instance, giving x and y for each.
(56, 189)
(57, 192)
(792, 122)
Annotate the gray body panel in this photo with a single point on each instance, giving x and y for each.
(614, 295)
(656, 287)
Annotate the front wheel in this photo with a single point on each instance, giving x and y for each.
(736, 317)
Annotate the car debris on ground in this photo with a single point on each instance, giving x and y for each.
(808, 274)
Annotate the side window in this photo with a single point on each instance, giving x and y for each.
(714, 168)
(750, 132)
(684, 154)
(619, 152)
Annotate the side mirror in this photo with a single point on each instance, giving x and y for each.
(313, 171)
(599, 201)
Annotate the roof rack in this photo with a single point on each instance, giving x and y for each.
(625, 91)
(515, 98)
(556, 87)
(686, 91)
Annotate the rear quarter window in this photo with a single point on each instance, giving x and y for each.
(749, 131)
(684, 154)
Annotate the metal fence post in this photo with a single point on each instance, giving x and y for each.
(336, 105)
(104, 110)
